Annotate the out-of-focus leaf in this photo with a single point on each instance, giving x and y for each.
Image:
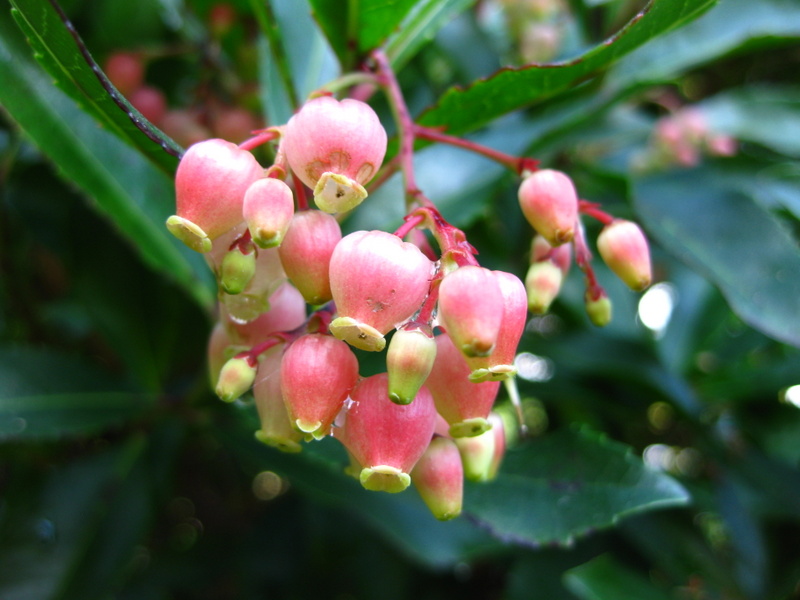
(128, 188)
(358, 26)
(78, 532)
(462, 110)
(707, 219)
(67, 60)
(729, 25)
(420, 26)
(565, 485)
(45, 394)
(764, 115)
(603, 578)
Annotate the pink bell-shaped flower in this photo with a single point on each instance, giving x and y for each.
(499, 365)
(317, 374)
(439, 478)
(268, 208)
(378, 281)
(471, 309)
(625, 250)
(276, 428)
(335, 148)
(384, 438)
(210, 185)
(550, 204)
(463, 404)
(306, 253)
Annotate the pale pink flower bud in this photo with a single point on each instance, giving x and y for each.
(335, 148)
(386, 439)
(378, 281)
(409, 360)
(471, 309)
(235, 378)
(543, 283)
(463, 404)
(306, 253)
(439, 478)
(210, 184)
(268, 208)
(550, 204)
(625, 250)
(276, 428)
(499, 365)
(317, 374)
(287, 311)
(481, 455)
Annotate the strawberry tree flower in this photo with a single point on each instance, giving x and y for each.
(439, 478)
(335, 148)
(378, 281)
(624, 249)
(268, 208)
(550, 204)
(210, 185)
(276, 427)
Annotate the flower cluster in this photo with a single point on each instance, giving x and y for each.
(296, 296)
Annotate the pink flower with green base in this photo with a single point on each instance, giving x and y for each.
(550, 204)
(335, 148)
(210, 185)
(384, 438)
(624, 249)
(439, 478)
(317, 374)
(276, 428)
(268, 208)
(378, 281)
(409, 361)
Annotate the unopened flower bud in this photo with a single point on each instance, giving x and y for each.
(237, 270)
(378, 281)
(542, 250)
(439, 478)
(384, 438)
(276, 428)
(550, 204)
(598, 308)
(210, 184)
(463, 404)
(471, 309)
(335, 148)
(499, 365)
(625, 250)
(306, 253)
(409, 360)
(268, 208)
(235, 378)
(542, 283)
(317, 374)
(482, 455)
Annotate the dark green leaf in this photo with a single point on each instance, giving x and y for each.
(708, 219)
(128, 188)
(565, 485)
(67, 60)
(462, 110)
(605, 579)
(730, 25)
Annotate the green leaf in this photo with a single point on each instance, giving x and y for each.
(603, 578)
(420, 26)
(65, 57)
(728, 26)
(462, 110)
(45, 394)
(567, 484)
(355, 27)
(136, 195)
(769, 116)
(709, 218)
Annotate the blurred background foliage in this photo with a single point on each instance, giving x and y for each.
(664, 449)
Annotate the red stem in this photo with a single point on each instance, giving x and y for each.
(515, 163)
(262, 137)
(592, 209)
(300, 192)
